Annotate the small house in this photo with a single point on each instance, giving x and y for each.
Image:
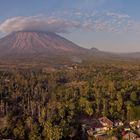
(130, 136)
(106, 122)
(92, 125)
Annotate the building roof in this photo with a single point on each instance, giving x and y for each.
(129, 135)
(104, 120)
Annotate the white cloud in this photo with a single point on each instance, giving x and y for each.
(36, 23)
(64, 21)
(118, 16)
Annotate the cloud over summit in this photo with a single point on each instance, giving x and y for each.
(36, 23)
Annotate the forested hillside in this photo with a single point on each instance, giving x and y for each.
(38, 105)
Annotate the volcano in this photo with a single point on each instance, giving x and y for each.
(30, 42)
(39, 47)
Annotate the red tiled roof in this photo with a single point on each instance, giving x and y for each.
(130, 135)
(106, 120)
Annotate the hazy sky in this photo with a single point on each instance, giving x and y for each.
(110, 25)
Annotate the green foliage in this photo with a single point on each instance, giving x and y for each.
(52, 132)
(5, 132)
(19, 131)
(35, 133)
(133, 96)
(48, 106)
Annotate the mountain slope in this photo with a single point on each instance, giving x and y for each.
(25, 42)
(30, 47)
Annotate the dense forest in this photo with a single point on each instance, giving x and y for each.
(45, 105)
